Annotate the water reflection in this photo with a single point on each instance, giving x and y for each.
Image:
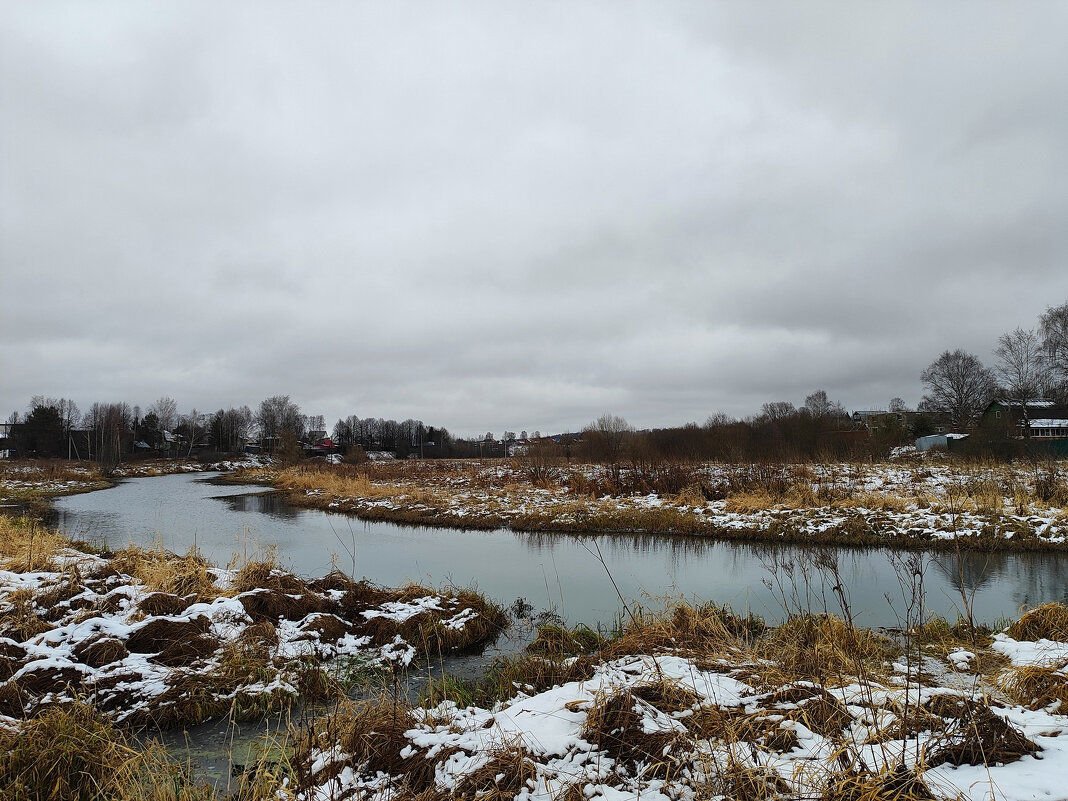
(578, 576)
(268, 503)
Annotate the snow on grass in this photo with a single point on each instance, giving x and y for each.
(88, 630)
(857, 504)
(554, 734)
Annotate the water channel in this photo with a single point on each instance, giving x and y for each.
(581, 578)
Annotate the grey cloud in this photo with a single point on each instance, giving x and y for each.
(507, 212)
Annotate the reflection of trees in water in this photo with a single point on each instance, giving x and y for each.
(270, 504)
(970, 571)
(1038, 578)
(805, 578)
(797, 577)
(91, 527)
(1028, 579)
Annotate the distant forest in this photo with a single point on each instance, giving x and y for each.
(1031, 367)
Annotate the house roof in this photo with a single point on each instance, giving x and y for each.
(1035, 409)
(1035, 404)
(1049, 422)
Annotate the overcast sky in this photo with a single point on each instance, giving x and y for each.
(511, 215)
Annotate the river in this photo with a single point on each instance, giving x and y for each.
(585, 579)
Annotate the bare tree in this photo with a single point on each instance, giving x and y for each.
(777, 410)
(958, 384)
(606, 438)
(1053, 325)
(898, 405)
(107, 424)
(229, 429)
(166, 411)
(1022, 370)
(818, 404)
(277, 414)
(719, 419)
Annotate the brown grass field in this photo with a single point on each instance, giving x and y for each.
(910, 505)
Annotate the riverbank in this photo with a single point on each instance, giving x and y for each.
(150, 637)
(918, 505)
(694, 703)
(30, 484)
(703, 704)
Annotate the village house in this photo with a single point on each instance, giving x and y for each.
(1040, 419)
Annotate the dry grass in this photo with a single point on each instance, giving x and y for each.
(813, 707)
(1049, 622)
(876, 501)
(27, 546)
(894, 783)
(1036, 687)
(706, 632)
(263, 572)
(162, 571)
(19, 618)
(616, 726)
(508, 773)
(558, 641)
(977, 736)
(824, 648)
(430, 632)
(731, 726)
(938, 638)
(738, 779)
(73, 754)
(370, 735)
(506, 676)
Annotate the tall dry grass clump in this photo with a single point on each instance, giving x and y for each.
(27, 546)
(73, 754)
(703, 631)
(821, 647)
(367, 736)
(1045, 622)
(1036, 686)
(162, 571)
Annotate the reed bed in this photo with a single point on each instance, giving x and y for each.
(906, 505)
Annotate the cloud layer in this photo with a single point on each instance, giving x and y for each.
(520, 216)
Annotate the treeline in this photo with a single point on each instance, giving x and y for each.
(818, 430)
(109, 432)
(1030, 365)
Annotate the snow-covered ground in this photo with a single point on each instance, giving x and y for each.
(84, 627)
(673, 726)
(914, 502)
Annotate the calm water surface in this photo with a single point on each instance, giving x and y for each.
(580, 577)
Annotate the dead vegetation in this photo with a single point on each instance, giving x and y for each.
(162, 571)
(371, 736)
(74, 754)
(617, 725)
(1046, 622)
(233, 665)
(824, 502)
(26, 545)
(1036, 686)
(826, 649)
(976, 735)
(660, 729)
